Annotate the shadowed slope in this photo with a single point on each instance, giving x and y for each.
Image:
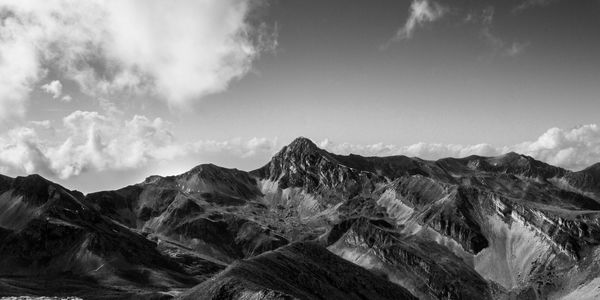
(296, 271)
(49, 235)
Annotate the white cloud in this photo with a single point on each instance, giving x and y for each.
(20, 151)
(421, 12)
(53, 88)
(42, 124)
(96, 142)
(178, 50)
(66, 98)
(573, 149)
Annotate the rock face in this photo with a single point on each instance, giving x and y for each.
(458, 228)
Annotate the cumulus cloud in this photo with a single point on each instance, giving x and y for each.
(178, 50)
(421, 12)
(53, 88)
(97, 142)
(573, 149)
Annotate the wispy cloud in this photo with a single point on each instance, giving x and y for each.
(485, 19)
(526, 4)
(516, 48)
(421, 13)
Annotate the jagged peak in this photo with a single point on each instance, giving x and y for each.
(302, 143)
(300, 147)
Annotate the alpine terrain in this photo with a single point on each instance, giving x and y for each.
(311, 225)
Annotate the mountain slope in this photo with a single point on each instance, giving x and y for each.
(296, 271)
(456, 228)
(49, 234)
(505, 211)
(207, 209)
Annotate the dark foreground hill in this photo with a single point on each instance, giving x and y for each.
(501, 227)
(297, 271)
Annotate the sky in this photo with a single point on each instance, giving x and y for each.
(100, 94)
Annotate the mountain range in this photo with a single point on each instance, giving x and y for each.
(311, 225)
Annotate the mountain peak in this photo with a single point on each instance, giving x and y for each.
(302, 143)
(300, 147)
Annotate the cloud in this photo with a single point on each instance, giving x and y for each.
(526, 4)
(515, 49)
(573, 149)
(43, 124)
(499, 46)
(20, 150)
(421, 12)
(177, 50)
(53, 88)
(428, 11)
(97, 142)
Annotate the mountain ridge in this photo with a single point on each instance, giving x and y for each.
(497, 225)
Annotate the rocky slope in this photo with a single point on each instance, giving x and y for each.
(503, 225)
(458, 228)
(52, 241)
(206, 210)
(297, 271)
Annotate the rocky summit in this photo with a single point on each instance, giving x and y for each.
(311, 225)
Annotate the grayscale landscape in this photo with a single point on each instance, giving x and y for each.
(278, 150)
